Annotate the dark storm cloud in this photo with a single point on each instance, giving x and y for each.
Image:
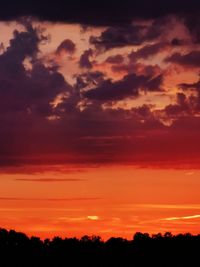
(33, 131)
(85, 61)
(27, 90)
(192, 59)
(182, 107)
(117, 59)
(23, 44)
(120, 36)
(67, 46)
(27, 136)
(148, 51)
(129, 86)
(177, 42)
(192, 22)
(194, 100)
(109, 90)
(91, 78)
(186, 86)
(154, 84)
(100, 12)
(187, 105)
(26, 94)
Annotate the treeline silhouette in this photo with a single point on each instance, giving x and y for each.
(18, 250)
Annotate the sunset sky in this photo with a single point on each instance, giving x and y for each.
(100, 117)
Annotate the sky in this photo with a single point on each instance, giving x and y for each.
(100, 117)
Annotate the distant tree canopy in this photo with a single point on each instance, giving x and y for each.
(18, 250)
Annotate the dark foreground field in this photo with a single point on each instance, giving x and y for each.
(17, 250)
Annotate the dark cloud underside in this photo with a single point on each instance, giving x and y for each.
(100, 12)
(45, 119)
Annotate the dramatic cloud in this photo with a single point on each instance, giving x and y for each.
(66, 46)
(181, 108)
(128, 87)
(121, 36)
(148, 51)
(96, 12)
(29, 91)
(26, 94)
(85, 59)
(176, 42)
(191, 59)
(186, 86)
(90, 78)
(192, 22)
(117, 59)
(115, 101)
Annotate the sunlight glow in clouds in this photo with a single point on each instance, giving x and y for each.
(102, 89)
(182, 218)
(93, 217)
(134, 199)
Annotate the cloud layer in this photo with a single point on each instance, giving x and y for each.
(120, 105)
(98, 12)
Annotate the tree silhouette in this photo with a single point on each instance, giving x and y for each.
(18, 250)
